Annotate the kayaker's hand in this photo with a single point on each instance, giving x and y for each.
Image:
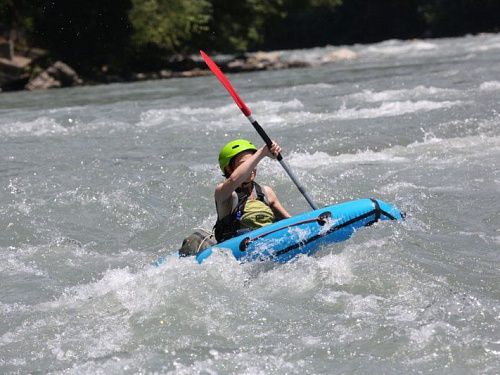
(272, 152)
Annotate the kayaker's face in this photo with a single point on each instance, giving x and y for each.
(240, 159)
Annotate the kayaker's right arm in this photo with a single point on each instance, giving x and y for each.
(243, 171)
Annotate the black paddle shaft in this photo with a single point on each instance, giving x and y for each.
(263, 135)
(285, 166)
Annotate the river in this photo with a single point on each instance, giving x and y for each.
(97, 182)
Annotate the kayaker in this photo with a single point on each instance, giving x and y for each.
(241, 203)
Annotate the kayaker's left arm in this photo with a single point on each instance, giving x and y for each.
(279, 211)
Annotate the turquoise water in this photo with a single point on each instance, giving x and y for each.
(97, 182)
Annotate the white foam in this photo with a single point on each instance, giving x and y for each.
(399, 186)
(38, 127)
(334, 269)
(200, 115)
(463, 147)
(155, 117)
(391, 109)
(396, 47)
(107, 125)
(364, 306)
(275, 106)
(490, 86)
(9, 308)
(15, 261)
(302, 276)
(423, 335)
(491, 44)
(112, 281)
(386, 109)
(414, 93)
(477, 143)
(46, 127)
(118, 202)
(311, 87)
(321, 159)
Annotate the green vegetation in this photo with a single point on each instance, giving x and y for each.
(168, 23)
(140, 35)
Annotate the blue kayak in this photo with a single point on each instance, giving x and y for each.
(306, 232)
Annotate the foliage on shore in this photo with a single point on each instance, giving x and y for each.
(141, 35)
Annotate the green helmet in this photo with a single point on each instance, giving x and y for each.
(233, 148)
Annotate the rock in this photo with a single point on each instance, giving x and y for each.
(13, 73)
(14, 66)
(198, 73)
(57, 75)
(192, 73)
(339, 55)
(243, 65)
(43, 81)
(263, 61)
(65, 74)
(181, 63)
(266, 57)
(165, 74)
(140, 77)
(6, 49)
(17, 65)
(298, 64)
(35, 53)
(266, 60)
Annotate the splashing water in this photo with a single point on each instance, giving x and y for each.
(97, 182)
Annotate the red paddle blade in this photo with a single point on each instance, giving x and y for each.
(225, 82)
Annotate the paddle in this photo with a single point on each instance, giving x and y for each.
(248, 114)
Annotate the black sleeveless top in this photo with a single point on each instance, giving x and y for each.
(228, 226)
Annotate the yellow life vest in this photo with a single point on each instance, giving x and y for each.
(256, 214)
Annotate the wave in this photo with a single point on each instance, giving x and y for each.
(414, 93)
(322, 159)
(13, 263)
(486, 43)
(391, 47)
(124, 208)
(397, 47)
(38, 127)
(389, 109)
(490, 86)
(157, 117)
(228, 116)
(310, 87)
(473, 142)
(401, 48)
(395, 109)
(401, 154)
(49, 127)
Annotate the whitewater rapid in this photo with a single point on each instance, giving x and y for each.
(97, 182)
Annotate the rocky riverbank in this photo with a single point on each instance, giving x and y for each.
(33, 70)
